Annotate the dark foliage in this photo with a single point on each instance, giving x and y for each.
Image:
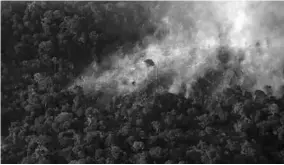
(46, 44)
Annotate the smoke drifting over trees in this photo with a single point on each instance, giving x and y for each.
(192, 34)
(142, 82)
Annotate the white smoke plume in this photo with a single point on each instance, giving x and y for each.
(252, 31)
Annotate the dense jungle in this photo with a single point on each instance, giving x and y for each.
(45, 46)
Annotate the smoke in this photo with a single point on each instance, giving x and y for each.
(250, 33)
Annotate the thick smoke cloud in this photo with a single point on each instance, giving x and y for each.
(251, 33)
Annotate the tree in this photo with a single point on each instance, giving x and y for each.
(137, 146)
(155, 152)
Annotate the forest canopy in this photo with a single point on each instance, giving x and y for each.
(45, 45)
